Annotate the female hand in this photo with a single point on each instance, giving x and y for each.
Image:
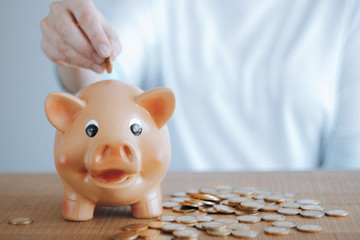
(76, 34)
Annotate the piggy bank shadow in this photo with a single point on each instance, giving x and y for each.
(112, 212)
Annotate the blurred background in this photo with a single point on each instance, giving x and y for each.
(27, 76)
(26, 137)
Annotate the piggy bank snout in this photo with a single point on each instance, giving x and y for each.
(115, 154)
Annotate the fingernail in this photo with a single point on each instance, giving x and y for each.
(97, 68)
(97, 58)
(104, 50)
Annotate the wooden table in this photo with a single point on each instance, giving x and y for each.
(39, 196)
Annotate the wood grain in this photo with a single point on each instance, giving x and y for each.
(39, 196)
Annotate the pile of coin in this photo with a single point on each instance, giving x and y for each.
(227, 211)
(249, 206)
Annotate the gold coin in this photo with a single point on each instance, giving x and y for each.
(199, 226)
(246, 212)
(277, 230)
(311, 214)
(205, 218)
(244, 192)
(249, 219)
(171, 227)
(289, 195)
(135, 227)
(191, 224)
(337, 213)
(308, 201)
(148, 233)
(166, 218)
(272, 217)
(207, 203)
(156, 224)
(170, 204)
(226, 195)
(207, 209)
(227, 203)
(270, 208)
(188, 233)
(185, 219)
(224, 208)
(226, 220)
(161, 237)
(215, 226)
(289, 211)
(251, 205)
(221, 233)
(284, 224)
(196, 213)
(275, 198)
(240, 212)
(124, 235)
(108, 65)
(192, 204)
(312, 207)
(290, 205)
(259, 197)
(20, 221)
(238, 200)
(184, 209)
(195, 201)
(245, 233)
(238, 226)
(207, 197)
(311, 228)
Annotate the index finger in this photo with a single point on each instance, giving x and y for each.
(89, 21)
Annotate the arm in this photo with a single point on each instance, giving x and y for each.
(74, 78)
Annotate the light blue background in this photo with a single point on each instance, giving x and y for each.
(27, 76)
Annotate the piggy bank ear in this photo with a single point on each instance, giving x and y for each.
(159, 102)
(61, 108)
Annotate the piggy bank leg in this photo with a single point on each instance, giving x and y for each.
(150, 206)
(76, 207)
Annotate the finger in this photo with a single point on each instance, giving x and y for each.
(67, 30)
(68, 56)
(88, 19)
(52, 38)
(114, 41)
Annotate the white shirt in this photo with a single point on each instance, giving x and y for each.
(260, 85)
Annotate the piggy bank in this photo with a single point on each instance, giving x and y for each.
(112, 147)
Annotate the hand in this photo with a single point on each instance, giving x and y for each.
(76, 34)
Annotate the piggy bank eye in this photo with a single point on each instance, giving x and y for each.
(92, 128)
(135, 127)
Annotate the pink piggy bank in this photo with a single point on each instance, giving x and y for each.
(112, 147)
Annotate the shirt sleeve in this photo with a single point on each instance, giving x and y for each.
(135, 23)
(342, 148)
